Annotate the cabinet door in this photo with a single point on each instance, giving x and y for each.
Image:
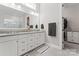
(21, 46)
(8, 48)
(70, 36)
(41, 38)
(30, 46)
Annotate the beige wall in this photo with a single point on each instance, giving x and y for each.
(72, 15)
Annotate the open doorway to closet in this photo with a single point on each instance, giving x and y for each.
(70, 17)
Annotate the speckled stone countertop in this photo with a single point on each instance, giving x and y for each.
(19, 33)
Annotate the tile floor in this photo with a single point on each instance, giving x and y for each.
(51, 51)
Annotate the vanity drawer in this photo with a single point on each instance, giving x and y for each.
(38, 43)
(21, 41)
(21, 51)
(30, 40)
(22, 47)
(30, 46)
(22, 36)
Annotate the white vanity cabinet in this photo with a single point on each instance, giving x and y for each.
(21, 44)
(41, 38)
(76, 37)
(8, 48)
(73, 37)
(70, 36)
(30, 41)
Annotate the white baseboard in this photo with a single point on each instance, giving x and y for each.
(55, 46)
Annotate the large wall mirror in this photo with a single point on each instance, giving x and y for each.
(13, 18)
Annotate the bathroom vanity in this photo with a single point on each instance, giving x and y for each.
(20, 38)
(21, 42)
